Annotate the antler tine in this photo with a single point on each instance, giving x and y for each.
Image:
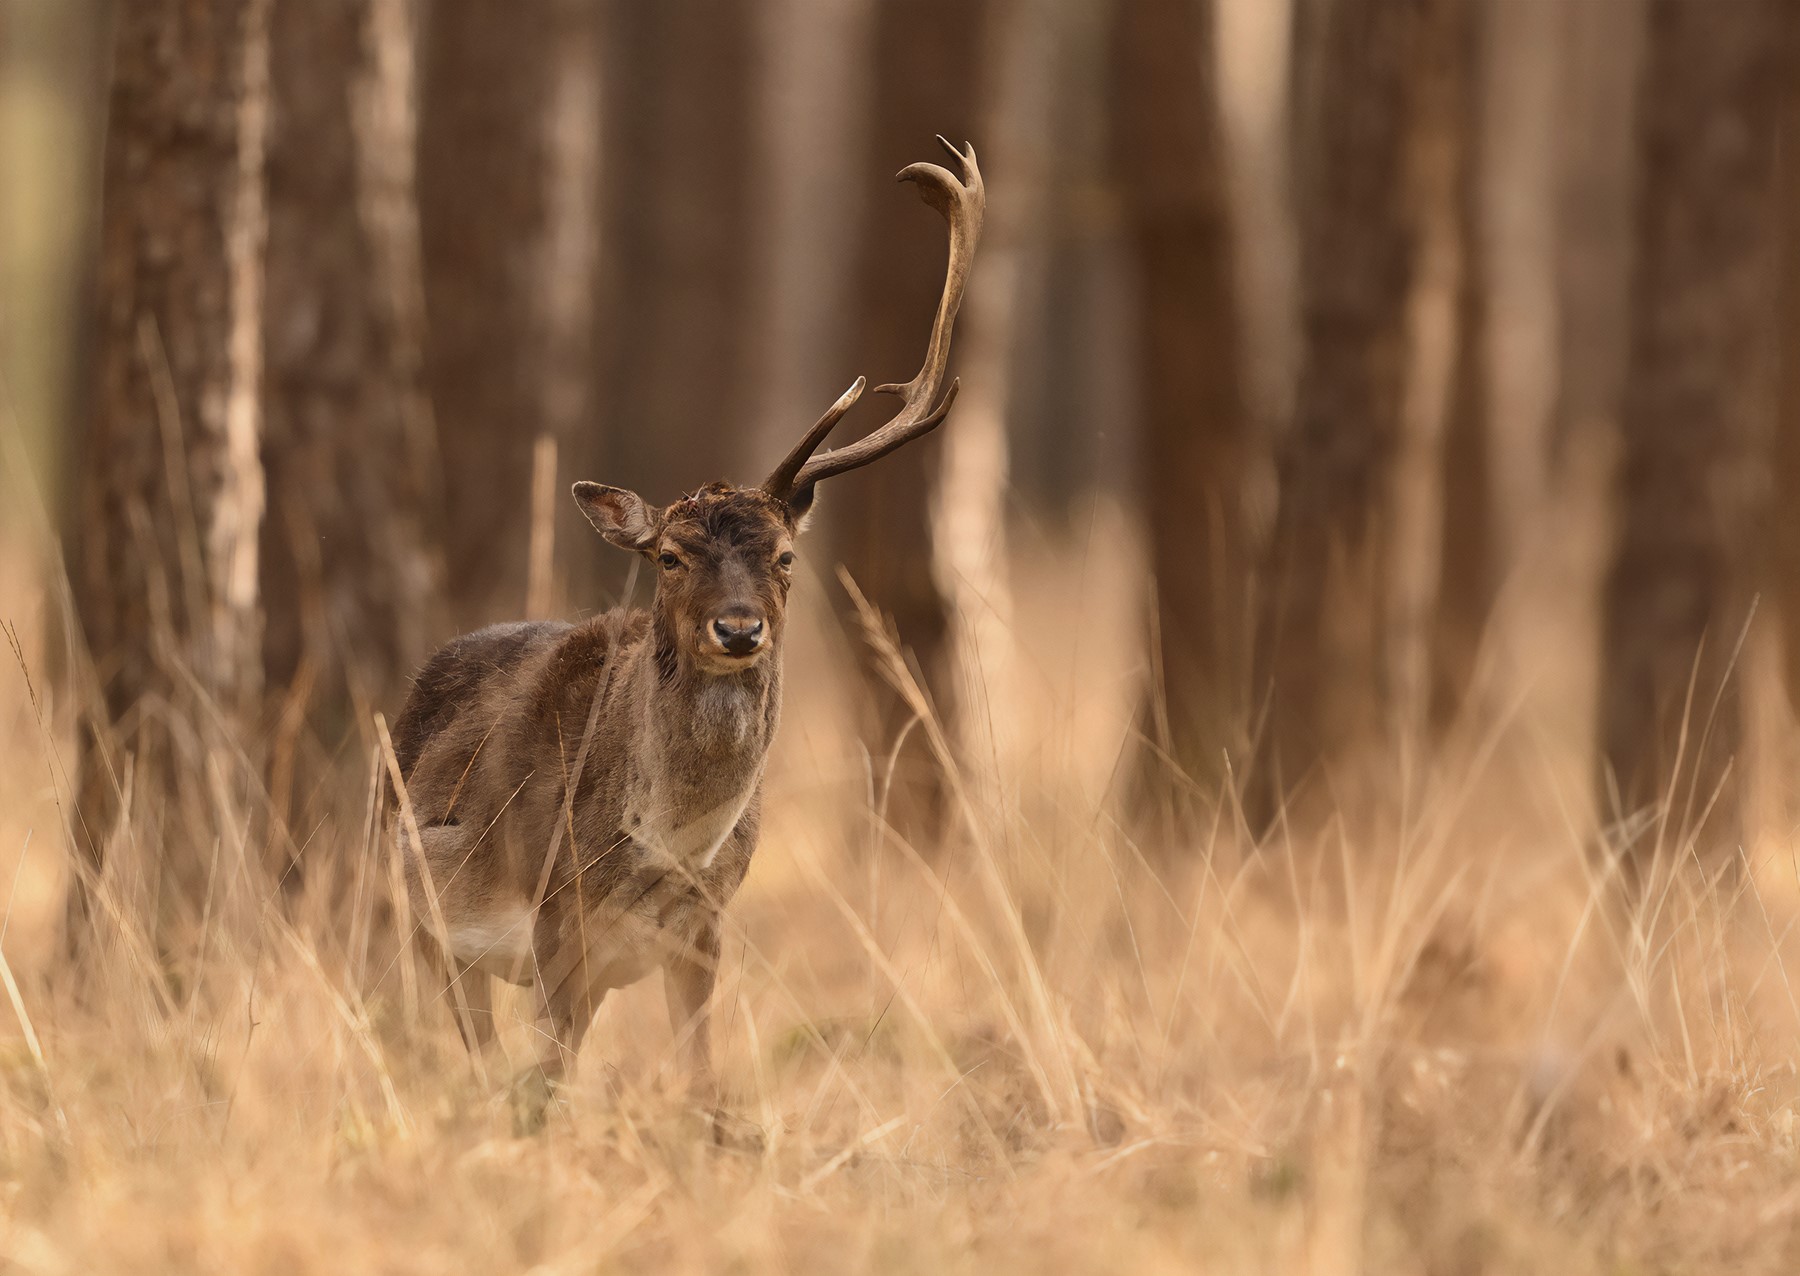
(962, 201)
(781, 480)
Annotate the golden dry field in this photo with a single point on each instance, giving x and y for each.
(1059, 1042)
(1347, 634)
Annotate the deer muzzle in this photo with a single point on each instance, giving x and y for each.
(739, 633)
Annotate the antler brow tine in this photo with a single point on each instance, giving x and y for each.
(781, 481)
(963, 201)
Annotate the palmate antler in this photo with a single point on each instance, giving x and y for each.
(962, 201)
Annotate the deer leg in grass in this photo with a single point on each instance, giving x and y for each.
(564, 1016)
(467, 993)
(688, 979)
(568, 1000)
(476, 1003)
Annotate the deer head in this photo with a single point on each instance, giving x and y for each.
(724, 555)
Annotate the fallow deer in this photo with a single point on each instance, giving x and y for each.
(579, 801)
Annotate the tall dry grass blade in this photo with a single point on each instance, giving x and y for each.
(440, 931)
(362, 890)
(358, 1026)
(897, 980)
(18, 1001)
(940, 891)
(1067, 1097)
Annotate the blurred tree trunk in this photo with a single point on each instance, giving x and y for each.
(1596, 180)
(1323, 627)
(676, 337)
(564, 547)
(170, 487)
(486, 81)
(1699, 397)
(1168, 149)
(809, 157)
(1785, 585)
(926, 63)
(1468, 569)
(352, 572)
(1070, 355)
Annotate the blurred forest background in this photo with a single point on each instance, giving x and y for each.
(1369, 407)
(1383, 347)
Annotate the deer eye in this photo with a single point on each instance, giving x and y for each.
(786, 558)
(669, 561)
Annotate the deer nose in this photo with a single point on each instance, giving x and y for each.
(738, 635)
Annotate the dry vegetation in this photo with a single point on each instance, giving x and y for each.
(1436, 1043)
(1466, 308)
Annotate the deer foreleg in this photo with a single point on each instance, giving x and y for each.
(688, 979)
(474, 1009)
(568, 999)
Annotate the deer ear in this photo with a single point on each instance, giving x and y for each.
(622, 517)
(800, 506)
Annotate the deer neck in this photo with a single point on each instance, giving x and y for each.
(702, 746)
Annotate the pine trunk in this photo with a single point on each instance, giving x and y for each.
(1785, 586)
(1323, 641)
(1468, 566)
(1194, 436)
(170, 485)
(926, 65)
(351, 568)
(1699, 398)
(675, 327)
(486, 92)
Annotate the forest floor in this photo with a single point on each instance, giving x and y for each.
(1437, 1044)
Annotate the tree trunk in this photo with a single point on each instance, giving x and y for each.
(1323, 633)
(1194, 434)
(926, 63)
(809, 159)
(1596, 179)
(171, 488)
(1785, 585)
(486, 92)
(564, 547)
(1699, 398)
(1468, 566)
(351, 568)
(675, 326)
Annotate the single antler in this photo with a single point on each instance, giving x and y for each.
(962, 201)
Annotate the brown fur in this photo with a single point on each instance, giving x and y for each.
(666, 794)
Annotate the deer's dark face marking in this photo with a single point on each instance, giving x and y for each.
(723, 559)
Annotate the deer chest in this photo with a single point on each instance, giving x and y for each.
(673, 832)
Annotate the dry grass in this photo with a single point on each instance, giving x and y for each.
(1432, 1045)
